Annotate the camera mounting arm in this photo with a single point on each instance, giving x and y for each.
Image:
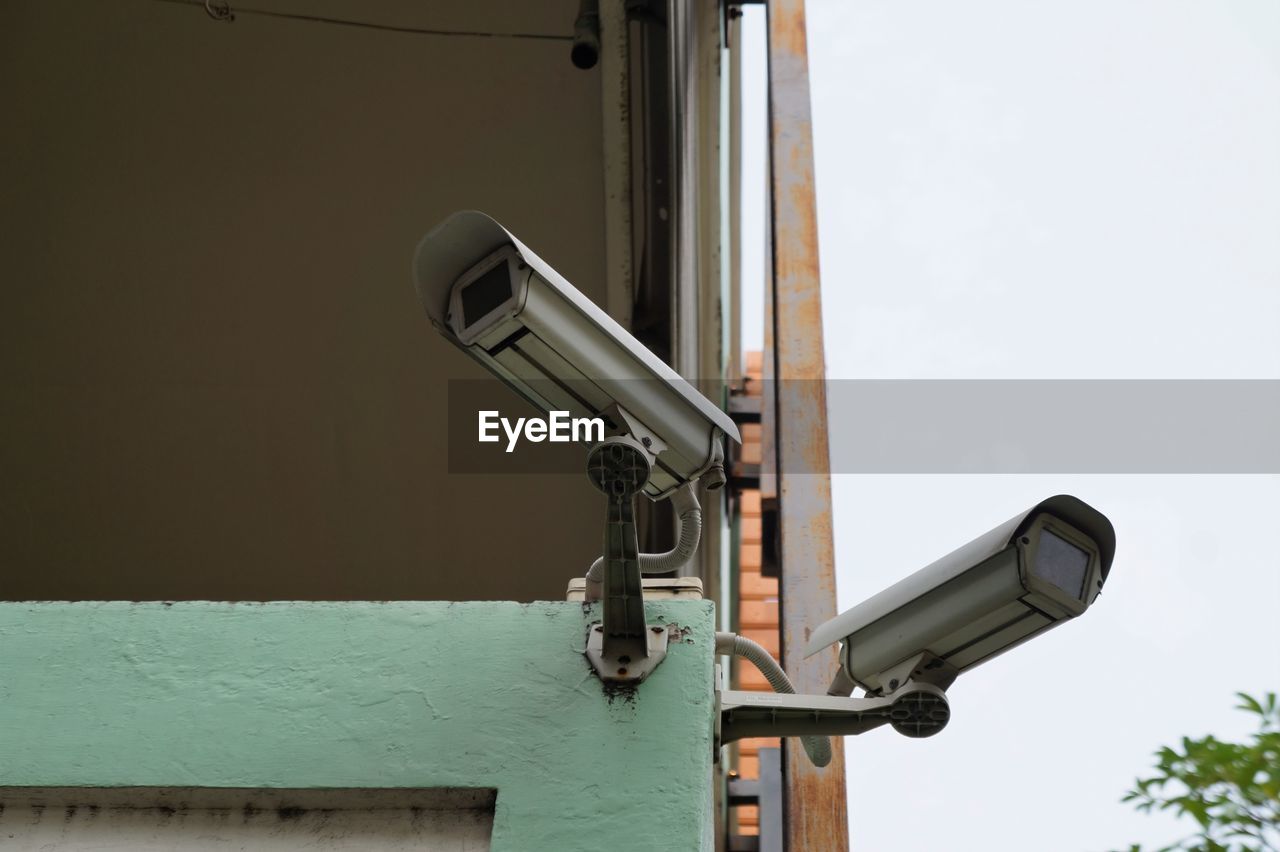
(915, 710)
(622, 648)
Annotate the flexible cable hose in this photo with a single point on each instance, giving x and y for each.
(689, 513)
(817, 747)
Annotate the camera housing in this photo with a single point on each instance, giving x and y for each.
(1043, 567)
(507, 308)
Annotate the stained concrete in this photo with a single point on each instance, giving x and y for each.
(377, 695)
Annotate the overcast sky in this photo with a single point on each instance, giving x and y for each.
(1066, 190)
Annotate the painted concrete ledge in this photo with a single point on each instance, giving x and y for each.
(418, 694)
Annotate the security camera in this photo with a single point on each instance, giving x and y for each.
(503, 305)
(1026, 576)
(907, 644)
(506, 307)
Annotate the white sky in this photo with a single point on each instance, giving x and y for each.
(1067, 190)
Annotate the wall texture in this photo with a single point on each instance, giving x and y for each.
(410, 694)
(219, 382)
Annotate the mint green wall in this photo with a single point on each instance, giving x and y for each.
(421, 694)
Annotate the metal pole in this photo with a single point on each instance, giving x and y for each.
(816, 805)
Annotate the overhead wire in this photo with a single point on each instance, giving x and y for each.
(221, 10)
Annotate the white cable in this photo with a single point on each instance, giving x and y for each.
(817, 747)
(689, 514)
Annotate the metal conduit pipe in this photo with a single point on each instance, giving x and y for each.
(689, 514)
(731, 644)
(586, 35)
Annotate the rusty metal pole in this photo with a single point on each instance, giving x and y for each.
(816, 804)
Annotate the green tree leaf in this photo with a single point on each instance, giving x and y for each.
(1230, 790)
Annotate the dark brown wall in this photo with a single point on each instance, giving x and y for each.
(215, 378)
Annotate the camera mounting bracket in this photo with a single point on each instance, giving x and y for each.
(622, 648)
(914, 710)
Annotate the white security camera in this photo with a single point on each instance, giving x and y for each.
(503, 305)
(907, 644)
(1022, 578)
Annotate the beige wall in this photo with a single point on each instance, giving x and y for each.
(215, 378)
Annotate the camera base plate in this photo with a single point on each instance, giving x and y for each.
(626, 659)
